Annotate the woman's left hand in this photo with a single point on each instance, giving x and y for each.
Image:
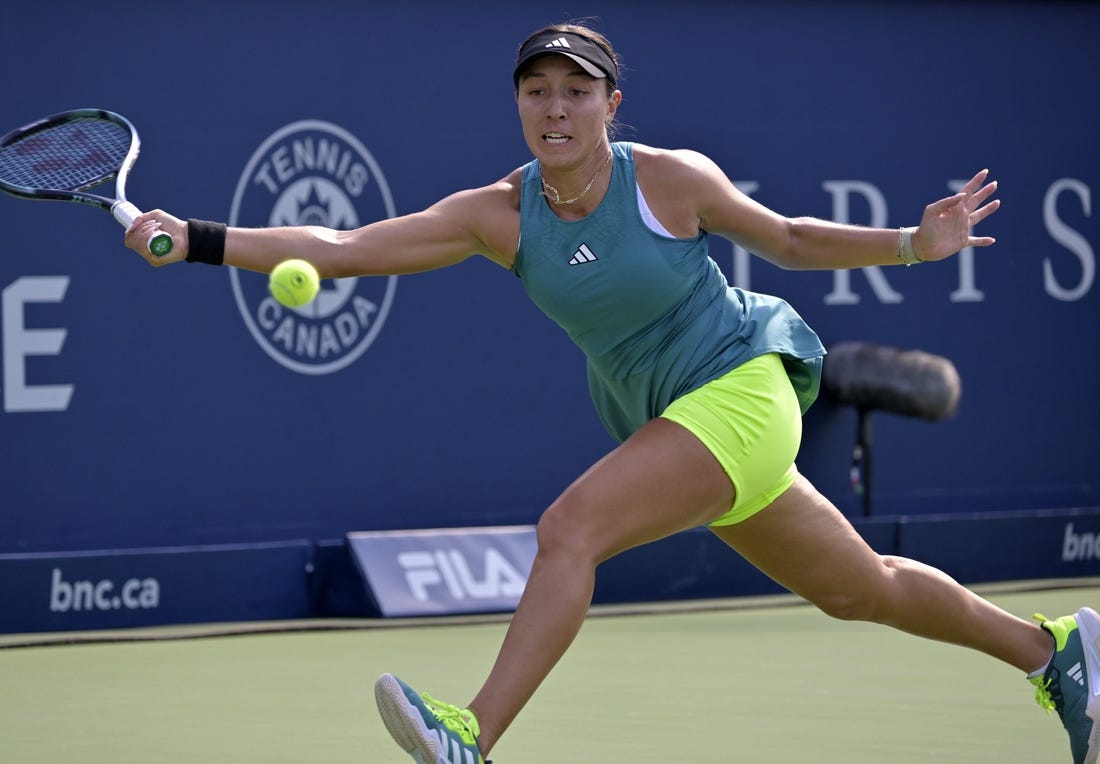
(945, 227)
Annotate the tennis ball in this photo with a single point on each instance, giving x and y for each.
(294, 283)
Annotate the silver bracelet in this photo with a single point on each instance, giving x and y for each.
(906, 253)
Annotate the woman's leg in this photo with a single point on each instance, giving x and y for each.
(660, 481)
(805, 544)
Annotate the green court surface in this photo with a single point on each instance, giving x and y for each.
(779, 683)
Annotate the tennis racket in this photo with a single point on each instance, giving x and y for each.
(61, 156)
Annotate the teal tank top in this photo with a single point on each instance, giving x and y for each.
(653, 314)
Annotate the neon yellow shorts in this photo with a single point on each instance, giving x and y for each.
(750, 420)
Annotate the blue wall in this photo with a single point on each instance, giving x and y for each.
(155, 415)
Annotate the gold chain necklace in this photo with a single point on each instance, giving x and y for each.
(552, 194)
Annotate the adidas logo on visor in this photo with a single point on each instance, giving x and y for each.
(561, 42)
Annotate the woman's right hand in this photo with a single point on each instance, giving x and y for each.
(146, 224)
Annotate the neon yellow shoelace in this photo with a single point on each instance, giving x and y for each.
(460, 721)
(1042, 694)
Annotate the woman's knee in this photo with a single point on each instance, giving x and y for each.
(560, 531)
(864, 598)
(552, 530)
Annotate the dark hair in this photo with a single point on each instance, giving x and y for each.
(580, 28)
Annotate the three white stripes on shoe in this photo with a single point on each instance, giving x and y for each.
(1076, 674)
(458, 755)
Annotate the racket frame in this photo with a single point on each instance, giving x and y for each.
(122, 210)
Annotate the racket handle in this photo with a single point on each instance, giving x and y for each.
(160, 243)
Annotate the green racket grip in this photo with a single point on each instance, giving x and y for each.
(160, 243)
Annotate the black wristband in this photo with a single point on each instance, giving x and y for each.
(205, 242)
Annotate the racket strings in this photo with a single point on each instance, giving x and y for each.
(70, 156)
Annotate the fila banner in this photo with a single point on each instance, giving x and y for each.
(445, 571)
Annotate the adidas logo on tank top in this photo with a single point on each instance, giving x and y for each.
(582, 256)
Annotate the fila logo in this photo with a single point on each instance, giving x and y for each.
(1076, 674)
(561, 42)
(450, 569)
(582, 255)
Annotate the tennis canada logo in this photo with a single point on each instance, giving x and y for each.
(313, 173)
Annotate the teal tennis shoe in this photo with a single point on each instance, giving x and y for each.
(431, 731)
(1071, 683)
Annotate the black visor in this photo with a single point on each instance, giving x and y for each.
(590, 56)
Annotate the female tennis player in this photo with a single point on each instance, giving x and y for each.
(703, 385)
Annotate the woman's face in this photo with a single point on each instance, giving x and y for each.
(564, 111)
